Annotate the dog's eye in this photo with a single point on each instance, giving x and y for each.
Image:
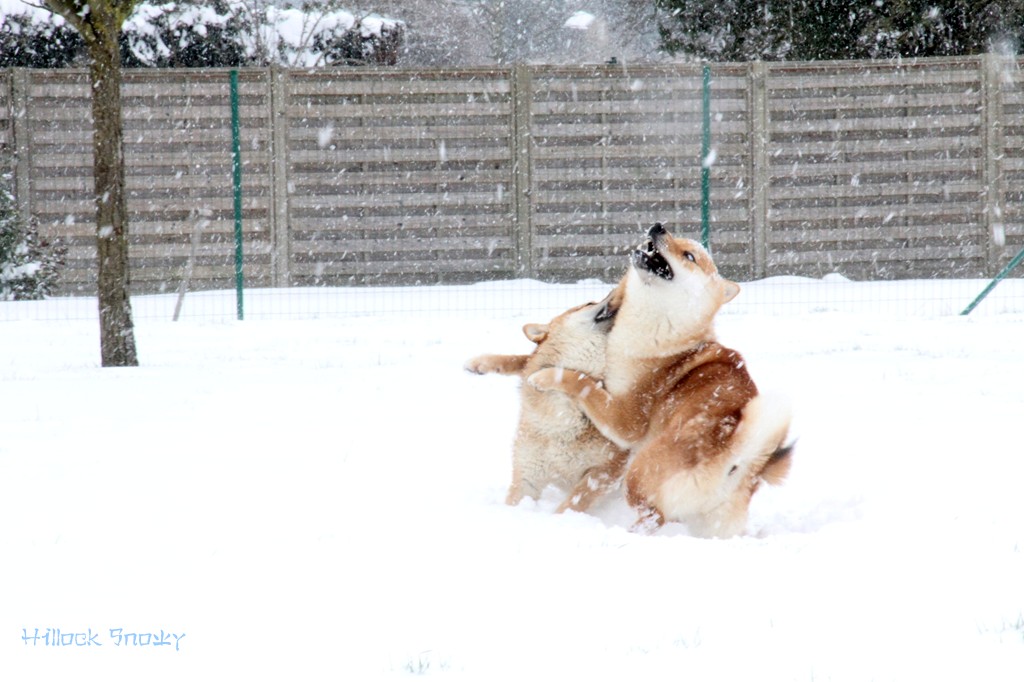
(689, 256)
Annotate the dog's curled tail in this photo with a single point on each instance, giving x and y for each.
(779, 462)
(760, 443)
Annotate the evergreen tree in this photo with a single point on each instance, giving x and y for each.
(741, 30)
(726, 30)
(829, 29)
(28, 265)
(937, 28)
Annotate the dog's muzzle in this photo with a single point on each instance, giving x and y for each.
(647, 257)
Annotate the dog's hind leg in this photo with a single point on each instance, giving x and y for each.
(595, 483)
(520, 489)
(649, 519)
(515, 494)
(525, 480)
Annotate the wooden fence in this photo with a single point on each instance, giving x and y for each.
(876, 170)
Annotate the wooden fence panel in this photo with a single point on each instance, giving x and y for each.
(1010, 232)
(177, 144)
(615, 150)
(877, 170)
(399, 177)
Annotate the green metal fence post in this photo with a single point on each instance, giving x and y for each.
(236, 168)
(992, 285)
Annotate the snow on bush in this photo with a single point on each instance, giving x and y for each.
(28, 264)
(208, 33)
(30, 36)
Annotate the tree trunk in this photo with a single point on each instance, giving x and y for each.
(117, 333)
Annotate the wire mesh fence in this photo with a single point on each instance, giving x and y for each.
(538, 301)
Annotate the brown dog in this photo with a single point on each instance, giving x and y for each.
(556, 444)
(702, 439)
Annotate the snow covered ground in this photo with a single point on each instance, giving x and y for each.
(322, 499)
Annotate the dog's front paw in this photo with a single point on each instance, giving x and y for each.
(481, 364)
(497, 364)
(547, 379)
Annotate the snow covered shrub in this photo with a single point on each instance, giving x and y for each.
(30, 38)
(373, 40)
(28, 265)
(190, 34)
(318, 35)
(208, 33)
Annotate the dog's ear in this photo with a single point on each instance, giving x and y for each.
(609, 307)
(606, 312)
(536, 332)
(729, 290)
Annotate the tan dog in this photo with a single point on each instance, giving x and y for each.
(556, 444)
(701, 437)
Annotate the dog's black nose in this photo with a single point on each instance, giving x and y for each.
(656, 231)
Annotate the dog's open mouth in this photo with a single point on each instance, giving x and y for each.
(647, 258)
